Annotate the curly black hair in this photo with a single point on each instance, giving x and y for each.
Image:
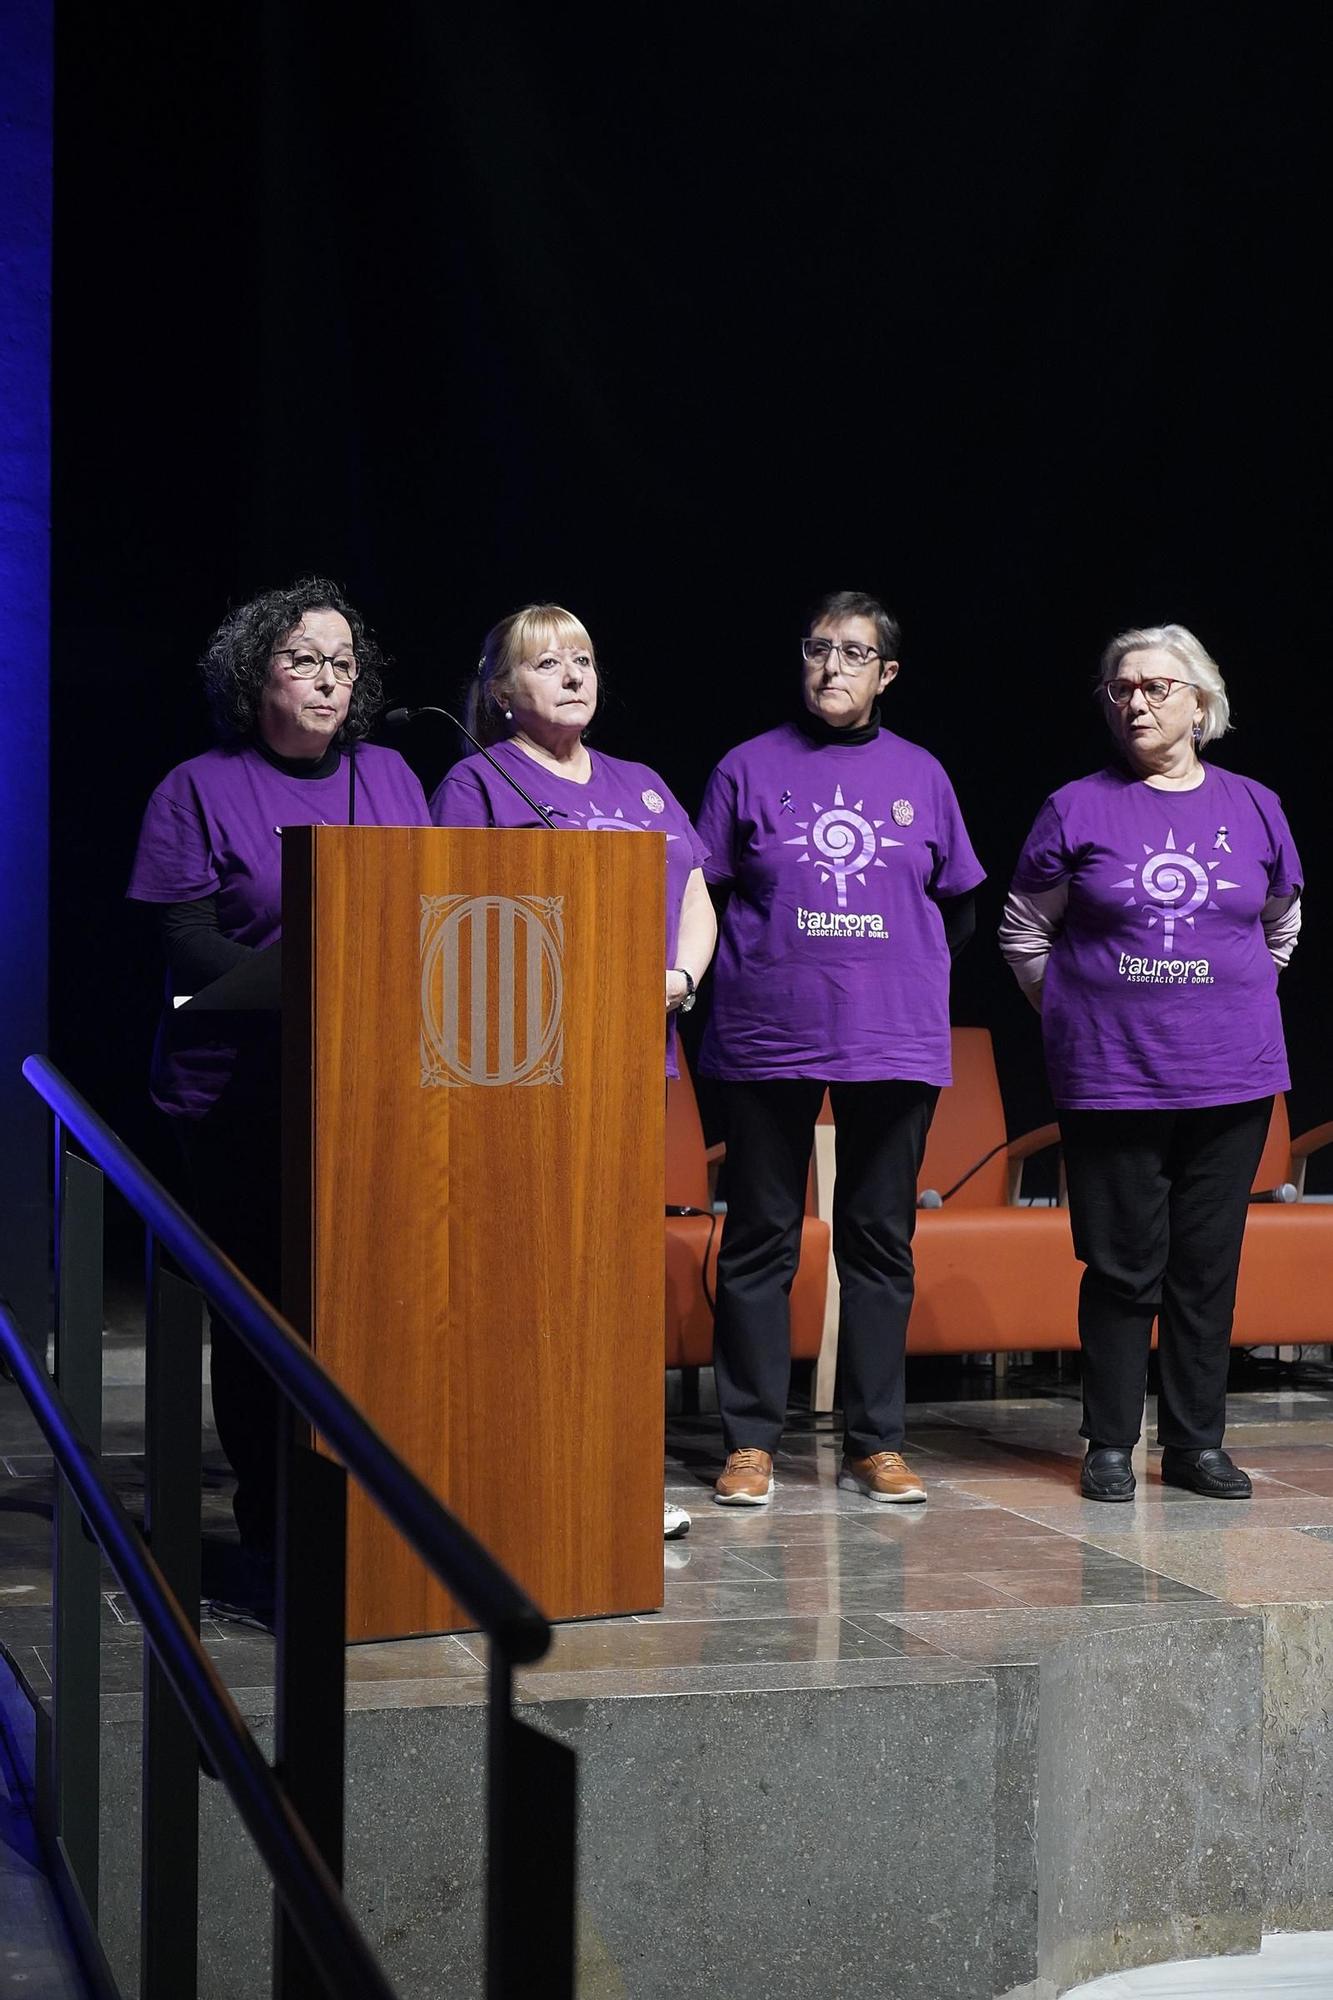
(236, 665)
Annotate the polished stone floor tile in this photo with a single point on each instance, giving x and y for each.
(707, 1562)
(892, 1669)
(1023, 1551)
(825, 1595)
(447, 1691)
(968, 1528)
(739, 1527)
(1025, 1634)
(1242, 1566)
(1281, 1458)
(1307, 1479)
(942, 1498)
(440, 1658)
(1312, 1409)
(873, 1557)
(1021, 1492)
(1002, 1561)
(1127, 1585)
(18, 1429)
(1272, 1507)
(1272, 1430)
(722, 1642)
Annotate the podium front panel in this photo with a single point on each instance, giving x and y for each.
(473, 1190)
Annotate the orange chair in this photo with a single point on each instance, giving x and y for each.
(990, 1276)
(995, 1277)
(1282, 1293)
(692, 1244)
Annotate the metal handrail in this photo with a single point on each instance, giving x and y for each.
(309, 1889)
(501, 1609)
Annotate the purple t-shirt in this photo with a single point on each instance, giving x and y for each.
(211, 829)
(618, 798)
(832, 961)
(1160, 991)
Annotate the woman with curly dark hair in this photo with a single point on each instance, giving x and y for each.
(294, 682)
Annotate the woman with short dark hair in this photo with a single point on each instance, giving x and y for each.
(851, 877)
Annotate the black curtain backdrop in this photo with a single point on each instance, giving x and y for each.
(683, 319)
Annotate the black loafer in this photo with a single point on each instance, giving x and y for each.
(1208, 1472)
(1107, 1474)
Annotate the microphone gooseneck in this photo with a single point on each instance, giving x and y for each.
(397, 718)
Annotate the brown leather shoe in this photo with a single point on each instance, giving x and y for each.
(885, 1475)
(746, 1480)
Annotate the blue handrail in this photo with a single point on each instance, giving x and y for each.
(309, 1890)
(501, 1609)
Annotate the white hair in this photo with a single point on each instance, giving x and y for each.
(1201, 670)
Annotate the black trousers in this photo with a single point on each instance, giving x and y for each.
(881, 1136)
(233, 1155)
(1157, 1201)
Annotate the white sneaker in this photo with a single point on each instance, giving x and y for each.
(675, 1522)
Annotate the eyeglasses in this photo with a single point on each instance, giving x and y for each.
(303, 666)
(855, 658)
(1122, 693)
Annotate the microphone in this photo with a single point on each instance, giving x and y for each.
(930, 1198)
(1284, 1192)
(397, 718)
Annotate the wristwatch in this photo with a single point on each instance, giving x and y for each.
(684, 1006)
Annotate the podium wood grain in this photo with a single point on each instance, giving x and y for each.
(480, 1265)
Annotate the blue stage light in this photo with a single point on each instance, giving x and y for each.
(26, 80)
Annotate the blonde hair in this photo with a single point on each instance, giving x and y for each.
(1201, 671)
(505, 646)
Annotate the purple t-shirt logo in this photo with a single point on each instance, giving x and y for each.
(842, 842)
(1174, 887)
(832, 960)
(1160, 991)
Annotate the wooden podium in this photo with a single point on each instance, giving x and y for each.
(473, 1176)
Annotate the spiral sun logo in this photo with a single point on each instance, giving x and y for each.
(841, 843)
(597, 821)
(1174, 887)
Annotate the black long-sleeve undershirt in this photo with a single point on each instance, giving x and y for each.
(192, 942)
(960, 920)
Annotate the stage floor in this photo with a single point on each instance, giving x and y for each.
(1083, 1736)
(1003, 1560)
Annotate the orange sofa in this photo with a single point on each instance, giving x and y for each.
(995, 1277)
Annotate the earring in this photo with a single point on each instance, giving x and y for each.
(509, 715)
(1196, 734)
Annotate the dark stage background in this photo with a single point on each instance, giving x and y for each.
(1006, 315)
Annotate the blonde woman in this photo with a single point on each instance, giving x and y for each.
(531, 701)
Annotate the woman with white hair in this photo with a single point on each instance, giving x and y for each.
(1153, 906)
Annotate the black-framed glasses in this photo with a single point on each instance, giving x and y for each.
(853, 656)
(303, 664)
(1121, 693)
